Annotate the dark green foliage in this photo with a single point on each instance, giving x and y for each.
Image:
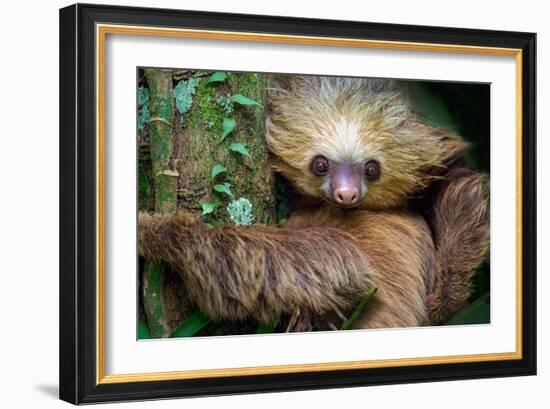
(469, 105)
(282, 193)
(358, 311)
(481, 282)
(143, 330)
(192, 325)
(429, 106)
(477, 312)
(265, 328)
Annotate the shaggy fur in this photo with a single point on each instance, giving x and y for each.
(326, 258)
(263, 272)
(459, 216)
(353, 120)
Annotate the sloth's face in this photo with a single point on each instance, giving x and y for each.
(349, 145)
(345, 183)
(356, 164)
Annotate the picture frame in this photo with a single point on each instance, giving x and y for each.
(83, 180)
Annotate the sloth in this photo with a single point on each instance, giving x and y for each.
(382, 200)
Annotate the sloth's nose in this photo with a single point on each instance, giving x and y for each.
(346, 195)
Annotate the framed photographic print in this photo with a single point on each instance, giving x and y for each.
(257, 203)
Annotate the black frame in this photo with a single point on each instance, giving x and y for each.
(78, 194)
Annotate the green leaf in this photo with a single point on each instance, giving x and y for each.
(239, 148)
(223, 189)
(241, 99)
(207, 208)
(143, 330)
(217, 77)
(358, 311)
(477, 312)
(192, 325)
(228, 126)
(216, 170)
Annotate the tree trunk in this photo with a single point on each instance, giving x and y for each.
(165, 187)
(199, 147)
(175, 166)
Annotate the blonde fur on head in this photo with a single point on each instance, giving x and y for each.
(353, 120)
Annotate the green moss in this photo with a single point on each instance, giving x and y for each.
(249, 176)
(145, 184)
(159, 83)
(165, 192)
(160, 129)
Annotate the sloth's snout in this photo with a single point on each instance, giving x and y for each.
(346, 195)
(345, 184)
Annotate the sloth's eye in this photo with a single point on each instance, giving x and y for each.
(372, 170)
(319, 166)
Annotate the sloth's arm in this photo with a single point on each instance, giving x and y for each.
(258, 271)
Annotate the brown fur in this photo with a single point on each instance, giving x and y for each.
(326, 258)
(236, 272)
(459, 215)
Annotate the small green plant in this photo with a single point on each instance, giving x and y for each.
(224, 188)
(216, 170)
(239, 148)
(358, 311)
(242, 100)
(240, 211)
(144, 105)
(217, 77)
(229, 125)
(207, 208)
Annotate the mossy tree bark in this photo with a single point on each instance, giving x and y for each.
(165, 188)
(199, 147)
(176, 170)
